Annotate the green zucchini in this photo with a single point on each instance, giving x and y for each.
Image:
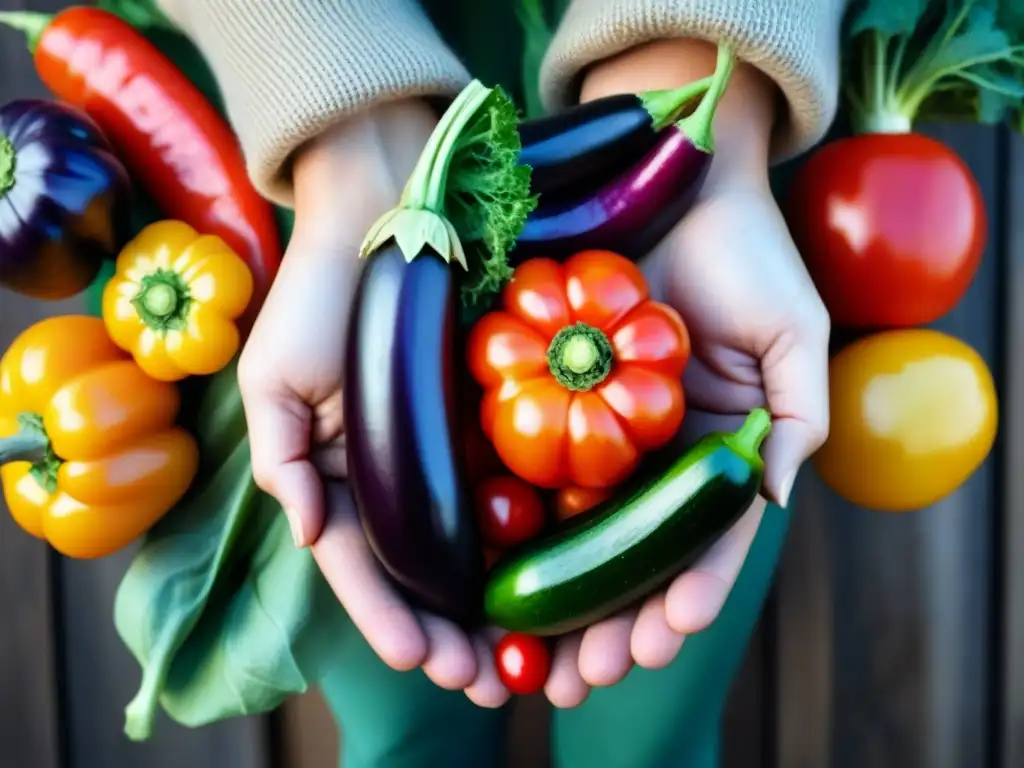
(633, 543)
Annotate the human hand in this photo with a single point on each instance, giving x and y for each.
(759, 334)
(290, 376)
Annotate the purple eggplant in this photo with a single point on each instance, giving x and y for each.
(632, 213)
(64, 199)
(590, 144)
(403, 466)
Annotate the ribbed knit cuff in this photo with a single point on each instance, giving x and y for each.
(794, 42)
(289, 69)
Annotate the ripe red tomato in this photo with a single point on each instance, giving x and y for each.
(523, 662)
(891, 226)
(510, 511)
(574, 500)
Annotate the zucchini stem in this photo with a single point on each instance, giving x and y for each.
(580, 357)
(31, 23)
(667, 106)
(8, 165)
(698, 125)
(746, 441)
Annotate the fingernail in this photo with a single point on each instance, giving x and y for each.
(786, 489)
(295, 525)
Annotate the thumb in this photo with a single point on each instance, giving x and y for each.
(795, 376)
(279, 437)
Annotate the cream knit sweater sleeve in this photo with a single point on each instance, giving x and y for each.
(795, 42)
(288, 69)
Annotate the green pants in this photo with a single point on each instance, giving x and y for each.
(663, 719)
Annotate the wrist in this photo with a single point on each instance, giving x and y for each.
(355, 171)
(744, 119)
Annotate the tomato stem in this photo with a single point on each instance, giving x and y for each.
(8, 164)
(163, 300)
(667, 106)
(580, 357)
(698, 126)
(746, 441)
(32, 24)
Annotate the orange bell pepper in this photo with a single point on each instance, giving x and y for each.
(174, 301)
(90, 458)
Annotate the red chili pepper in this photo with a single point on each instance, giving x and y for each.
(167, 133)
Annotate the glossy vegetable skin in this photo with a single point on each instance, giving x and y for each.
(633, 212)
(174, 300)
(171, 138)
(581, 371)
(510, 511)
(399, 401)
(64, 199)
(633, 543)
(578, 148)
(573, 500)
(523, 663)
(90, 455)
(913, 415)
(892, 228)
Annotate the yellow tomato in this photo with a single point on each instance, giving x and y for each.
(913, 415)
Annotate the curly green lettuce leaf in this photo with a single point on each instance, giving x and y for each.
(910, 60)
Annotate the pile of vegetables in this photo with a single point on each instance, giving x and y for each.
(511, 389)
(892, 227)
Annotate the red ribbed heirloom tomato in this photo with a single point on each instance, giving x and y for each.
(891, 226)
(581, 371)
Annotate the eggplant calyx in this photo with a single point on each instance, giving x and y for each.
(413, 232)
(580, 357)
(32, 444)
(697, 126)
(163, 300)
(667, 106)
(746, 441)
(31, 23)
(8, 164)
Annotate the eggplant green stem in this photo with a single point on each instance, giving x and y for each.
(667, 106)
(8, 165)
(33, 24)
(580, 357)
(746, 441)
(698, 125)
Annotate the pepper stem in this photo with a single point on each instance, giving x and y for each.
(746, 441)
(698, 125)
(160, 299)
(33, 24)
(28, 445)
(163, 300)
(8, 164)
(666, 106)
(580, 357)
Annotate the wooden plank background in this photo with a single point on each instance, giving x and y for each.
(888, 642)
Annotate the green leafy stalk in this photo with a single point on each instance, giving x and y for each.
(698, 125)
(909, 60)
(31, 23)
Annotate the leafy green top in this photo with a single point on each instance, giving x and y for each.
(467, 194)
(912, 60)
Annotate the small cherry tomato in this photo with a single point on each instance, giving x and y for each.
(509, 510)
(523, 662)
(913, 414)
(574, 500)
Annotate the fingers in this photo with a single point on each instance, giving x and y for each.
(377, 611)
(653, 643)
(604, 651)
(487, 690)
(279, 429)
(451, 659)
(566, 687)
(695, 599)
(795, 372)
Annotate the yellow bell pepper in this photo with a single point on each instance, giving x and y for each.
(90, 457)
(174, 301)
